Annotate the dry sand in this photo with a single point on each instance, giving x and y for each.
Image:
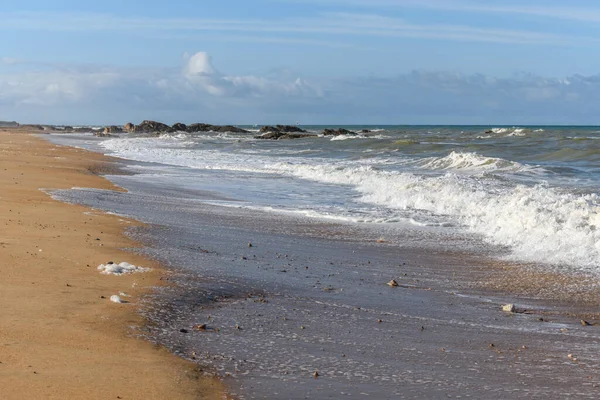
(59, 339)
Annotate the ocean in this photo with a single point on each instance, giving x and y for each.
(533, 191)
(283, 248)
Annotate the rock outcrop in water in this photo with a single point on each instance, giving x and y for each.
(148, 126)
(228, 128)
(179, 127)
(281, 129)
(279, 132)
(193, 128)
(337, 132)
(282, 135)
(158, 127)
(129, 127)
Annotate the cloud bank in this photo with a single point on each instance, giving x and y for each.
(198, 91)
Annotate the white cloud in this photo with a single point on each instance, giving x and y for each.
(198, 91)
(199, 64)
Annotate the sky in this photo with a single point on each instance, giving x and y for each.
(308, 61)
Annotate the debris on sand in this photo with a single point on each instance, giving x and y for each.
(508, 308)
(116, 299)
(392, 283)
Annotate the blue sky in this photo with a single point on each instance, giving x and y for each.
(316, 61)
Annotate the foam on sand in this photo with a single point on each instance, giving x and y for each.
(120, 269)
(116, 299)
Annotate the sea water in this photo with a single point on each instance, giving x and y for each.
(532, 191)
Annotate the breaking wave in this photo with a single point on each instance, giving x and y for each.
(539, 223)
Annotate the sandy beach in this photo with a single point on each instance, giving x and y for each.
(60, 335)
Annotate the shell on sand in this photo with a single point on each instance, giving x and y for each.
(392, 283)
(508, 308)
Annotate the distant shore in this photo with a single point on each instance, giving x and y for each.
(60, 335)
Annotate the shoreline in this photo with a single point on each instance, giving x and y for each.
(452, 295)
(311, 296)
(60, 335)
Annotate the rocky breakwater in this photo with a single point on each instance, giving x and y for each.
(279, 132)
(214, 128)
(338, 132)
(158, 128)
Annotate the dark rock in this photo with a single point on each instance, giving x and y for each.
(228, 128)
(183, 330)
(282, 136)
(268, 128)
(198, 128)
(365, 131)
(179, 127)
(337, 132)
(214, 128)
(282, 129)
(152, 127)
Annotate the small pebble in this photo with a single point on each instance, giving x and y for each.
(508, 308)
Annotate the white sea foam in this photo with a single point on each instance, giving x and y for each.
(120, 269)
(539, 223)
(517, 132)
(346, 137)
(514, 131)
(459, 160)
(116, 299)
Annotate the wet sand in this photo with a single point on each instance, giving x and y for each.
(60, 336)
(311, 297)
